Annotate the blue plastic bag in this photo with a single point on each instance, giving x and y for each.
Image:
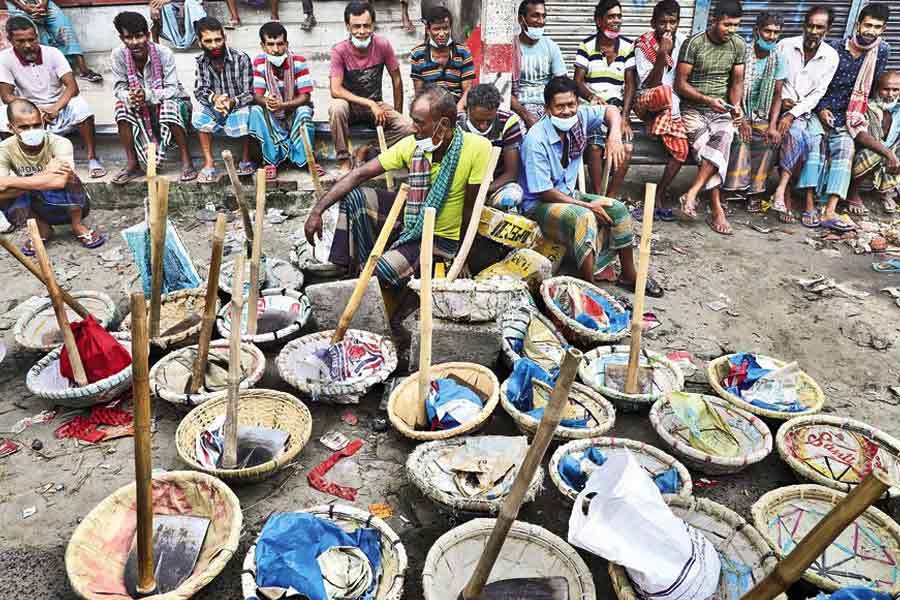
(518, 386)
(855, 593)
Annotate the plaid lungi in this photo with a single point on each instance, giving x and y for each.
(654, 107)
(235, 125)
(362, 215)
(51, 206)
(174, 112)
(869, 162)
(276, 142)
(795, 147)
(710, 135)
(829, 167)
(750, 163)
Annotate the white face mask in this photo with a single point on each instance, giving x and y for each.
(277, 60)
(33, 137)
(535, 33)
(361, 44)
(475, 130)
(888, 105)
(564, 124)
(434, 44)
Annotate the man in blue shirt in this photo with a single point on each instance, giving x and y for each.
(594, 229)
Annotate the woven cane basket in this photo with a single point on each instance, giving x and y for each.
(393, 554)
(514, 326)
(467, 300)
(865, 554)
(601, 414)
(667, 377)
(406, 393)
(529, 551)
(98, 550)
(176, 308)
(290, 309)
(37, 330)
(256, 408)
(745, 555)
(574, 331)
(752, 434)
(809, 393)
(274, 273)
(653, 460)
(833, 451)
(45, 381)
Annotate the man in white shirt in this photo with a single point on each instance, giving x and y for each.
(811, 65)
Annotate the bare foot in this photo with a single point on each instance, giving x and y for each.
(344, 166)
(688, 205)
(719, 224)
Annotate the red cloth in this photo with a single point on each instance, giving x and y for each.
(654, 107)
(85, 427)
(316, 477)
(101, 354)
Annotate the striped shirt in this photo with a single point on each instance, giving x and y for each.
(303, 81)
(506, 132)
(235, 80)
(459, 68)
(604, 79)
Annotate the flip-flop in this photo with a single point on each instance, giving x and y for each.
(91, 76)
(96, 168)
(787, 217)
(246, 168)
(838, 224)
(691, 215)
(188, 174)
(857, 209)
(889, 205)
(712, 225)
(124, 176)
(28, 245)
(208, 175)
(232, 24)
(889, 266)
(91, 239)
(652, 288)
(810, 219)
(271, 172)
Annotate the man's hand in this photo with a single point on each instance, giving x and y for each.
(136, 98)
(667, 43)
(627, 133)
(784, 125)
(827, 118)
(157, 4)
(717, 105)
(615, 152)
(773, 136)
(745, 131)
(599, 212)
(787, 104)
(893, 163)
(313, 227)
(49, 112)
(274, 104)
(379, 110)
(223, 104)
(57, 167)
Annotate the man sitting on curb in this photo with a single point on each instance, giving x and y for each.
(877, 156)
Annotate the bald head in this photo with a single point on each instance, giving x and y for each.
(888, 90)
(20, 110)
(440, 103)
(433, 112)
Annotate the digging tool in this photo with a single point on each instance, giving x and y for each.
(229, 458)
(311, 163)
(253, 297)
(382, 144)
(74, 304)
(640, 287)
(582, 179)
(426, 264)
(159, 214)
(58, 307)
(166, 548)
(198, 376)
(604, 176)
(549, 588)
(239, 196)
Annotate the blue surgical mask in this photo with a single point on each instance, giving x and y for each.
(765, 45)
(361, 44)
(276, 60)
(535, 33)
(564, 124)
(33, 137)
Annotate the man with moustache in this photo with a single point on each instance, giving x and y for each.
(878, 148)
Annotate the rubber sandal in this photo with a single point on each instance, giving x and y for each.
(232, 24)
(271, 172)
(652, 288)
(208, 175)
(188, 174)
(28, 245)
(97, 170)
(888, 266)
(857, 209)
(664, 214)
(682, 201)
(246, 168)
(754, 205)
(91, 76)
(712, 225)
(810, 219)
(124, 176)
(91, 239)
(889, 205)
(787, 217)
(838, 224)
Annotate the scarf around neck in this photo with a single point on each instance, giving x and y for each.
(155, 83)
(649, 45)
(287, 77)
(858, 108)
(766, 86)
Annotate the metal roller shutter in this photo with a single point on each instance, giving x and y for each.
(892, 34)
(793, 13)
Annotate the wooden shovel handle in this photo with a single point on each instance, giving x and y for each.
(311, 162)
(253, 296)
(228, 159)
(363, 282)
(382, 144)
(229, 459)
(604, 176)
(640, 288)
(198, 376)
(34, 270)
(426, 265)
(159, 217)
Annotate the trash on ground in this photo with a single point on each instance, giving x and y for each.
(38, 419)
(381, 510)
(334, 440)
(717, 306)
(29, 512)
(684, 360)
(316, 477)
(9, 447)
(350, 418)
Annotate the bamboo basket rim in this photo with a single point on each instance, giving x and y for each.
(173, 341)
(652, 357)
(226, 276)
(602, 405)
(582, 334)
(281, 335)
(25, 318)
(508, 353)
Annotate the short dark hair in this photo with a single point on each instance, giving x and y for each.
(730, 9)
(559, 85)
(769, 17)
(20, 105)
(131, 22)
(437, 14)
(666, 7)
(272, 30)
(523, 6)
(879, 12)
(819, 9)
(357, 8)
(604, 6)
(18, 23)
(208, 24)
(484, 95)
(442, 102)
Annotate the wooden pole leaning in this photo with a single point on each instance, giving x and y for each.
(640, 288)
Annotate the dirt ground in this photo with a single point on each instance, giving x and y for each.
(849, 345)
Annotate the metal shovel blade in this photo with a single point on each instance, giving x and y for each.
(532, 588)
(176, 547)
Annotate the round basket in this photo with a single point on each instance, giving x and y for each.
(866, 553)
(667, 377)
(653, 460)
(296, 352)
(407, 391)
(423, 473)
(256, 408)
(514, 324)
(600, 413)
(178, 309)
(167, 376)
(745, 555)
(833, 451)
(467, 300)
(37, 330)
(274, 274)
(752, 434)
(809, 393)
(45, 381)
(98, 550)
(281, 315)
(529, 551)
(393, 553)
(313, 260)
(574, 331)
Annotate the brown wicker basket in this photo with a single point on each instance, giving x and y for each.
(574, 331)
(177, 308)
(601, 416)
(37, 329)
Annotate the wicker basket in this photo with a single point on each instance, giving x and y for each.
(667, 377)
(256, 408)
(602, 414)
(753, 435)
(274, 273)
(346, 391)
(98, 550)
(574, 331)
(467, 300)
(176, 308)
(45, 381)
(809, 393)
(514, 326)
(840, 450)
(529, 551)
(867, 552)
(420, 473)
(653, 460)
(251, 356)
(393, 554)
(406, 394)
(746, 557)
(302, 256)
(37, 330)
(289, 308)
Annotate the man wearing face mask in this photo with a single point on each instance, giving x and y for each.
(282, 89)
(536, 60)
(37, 179)
(594, 231)
(151, 104)
(484, 117)
(876, 158)
(224, 89)
(446, 166)
(357, 70)
(441, 60)
(842, 114)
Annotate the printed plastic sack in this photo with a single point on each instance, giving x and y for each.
(178, 270)
(101, 354)
(513, 231)
(628, 523)
(524, 264)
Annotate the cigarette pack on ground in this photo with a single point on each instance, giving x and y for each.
(514, 231)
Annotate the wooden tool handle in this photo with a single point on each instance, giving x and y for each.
(426, 265)
(382, 144)
(159, 208)
(311, 162)
(486, 179)
(209, 308)
(151, 165)
(640, 287)
(140, 386)
(74, 304)
(228, 159)
(253, 296)
(582, 179)
(229, 459)
(363, 282)
(513, 502)
(604, 176)
(59, 307)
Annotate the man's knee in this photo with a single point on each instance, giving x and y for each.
(339, 109)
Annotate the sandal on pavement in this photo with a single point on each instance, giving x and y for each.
(787, 217)
(91, 239)
(754, 205)
(271, 172)
(246, 168)
(838, 224)
(652, 288)
(208, 175)
(28, 245)
(124, 176)
(309, 23)
(857, 208)
(720, 229)
(188, 174)
(889, 205)
(97, 170)
(92, 76)
(888, 266)
(810, 219)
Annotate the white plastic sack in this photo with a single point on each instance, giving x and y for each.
(628, 523)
